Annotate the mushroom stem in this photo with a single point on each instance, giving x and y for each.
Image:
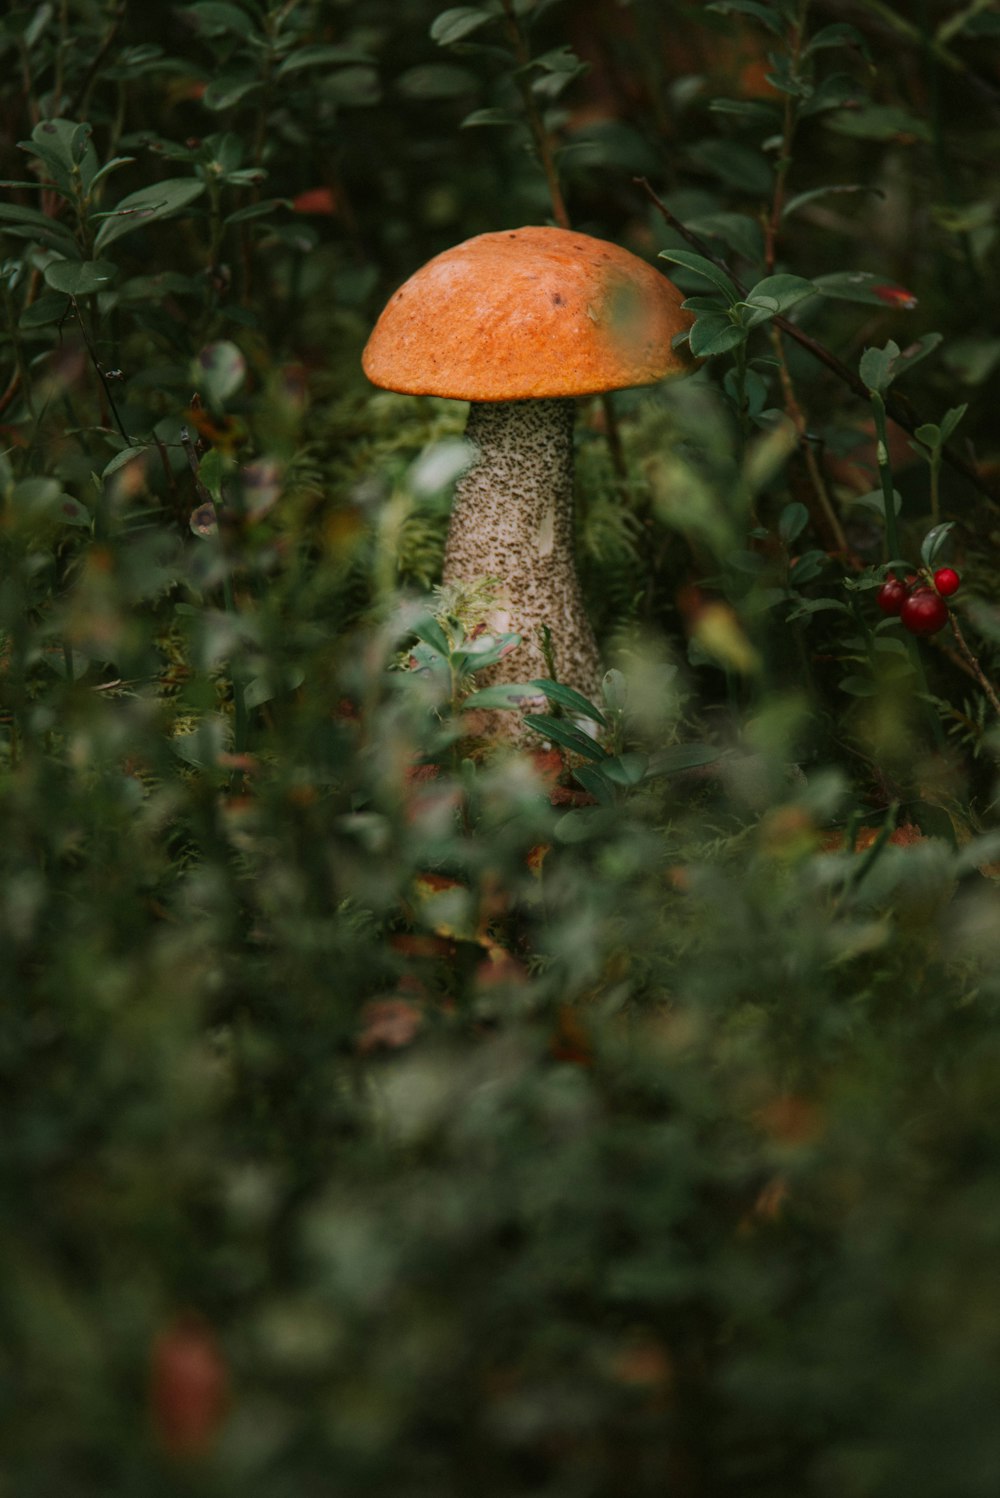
(513, 519)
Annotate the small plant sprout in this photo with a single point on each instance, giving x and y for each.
(931, 442)
(879, 369)
(520, 323)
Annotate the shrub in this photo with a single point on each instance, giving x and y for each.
(385, 1113)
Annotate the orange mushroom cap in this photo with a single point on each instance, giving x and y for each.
(528, 313)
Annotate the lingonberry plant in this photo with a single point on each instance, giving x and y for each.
(387, 1111)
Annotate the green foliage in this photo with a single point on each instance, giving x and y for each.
(392, 1111)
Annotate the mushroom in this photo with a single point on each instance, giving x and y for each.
(519, 323)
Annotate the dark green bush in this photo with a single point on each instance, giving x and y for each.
(383, 1113)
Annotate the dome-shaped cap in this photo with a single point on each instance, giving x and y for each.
(524, 313)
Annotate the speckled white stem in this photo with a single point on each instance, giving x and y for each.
(513, 519)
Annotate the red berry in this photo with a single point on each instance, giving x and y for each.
(947, 581)
(892, 595)
(189, 1387)
(924, 612)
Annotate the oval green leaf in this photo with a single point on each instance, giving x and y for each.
(80, 277)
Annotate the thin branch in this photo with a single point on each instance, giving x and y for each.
(975, 667)
(79, 99)
(808, 448)
(536, 124)
(95, 361)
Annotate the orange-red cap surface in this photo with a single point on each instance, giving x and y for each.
(524, 313)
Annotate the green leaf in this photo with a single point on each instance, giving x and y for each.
(36, 493)
(715, 333)
(126, 456)
(462, 20)
(839, 34)
(740, 167)
(571, 700)
(626, 769)
(680, 757)
(353, 87)
(511, 695)
(887, 644)
(705, 268)
(430, 631)
(157, 287)
(80, 277)
(597, 783)
(775, 294)
(914, 352)
(972, 358)
(614, 690)
(490, 117)
(277, 683)
(585, 823)
(558, 60)
(560, 732)
(29, 223)
(878, 122)
(750, 563)
(877, 365)
(214, 18)
(800, 199)
(229, 88)
(818, 606)
(109, 167)
(765, 116)
(737, 230)
(211, 471)
(256, 210)
(437, 80)
(219, 371)
(712, 304)
(858, 686)
(247, 176)
(72, 512)
(792, 522)
(323, 55)
(950, 420)
(934, 541)
(50, 307)
(873, 501)
(879, 368)
(67, 149)
(765, 14)
(866, 287)
(148, 204)
(482, 652)
(43, 500)
(808, 566)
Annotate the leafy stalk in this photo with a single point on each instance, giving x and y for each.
(533, 115)
(885, 474)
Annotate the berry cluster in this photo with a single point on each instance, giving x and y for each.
(921, 608)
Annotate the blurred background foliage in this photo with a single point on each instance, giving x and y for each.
(382, 1114)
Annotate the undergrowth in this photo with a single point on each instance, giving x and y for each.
(385, 1111)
